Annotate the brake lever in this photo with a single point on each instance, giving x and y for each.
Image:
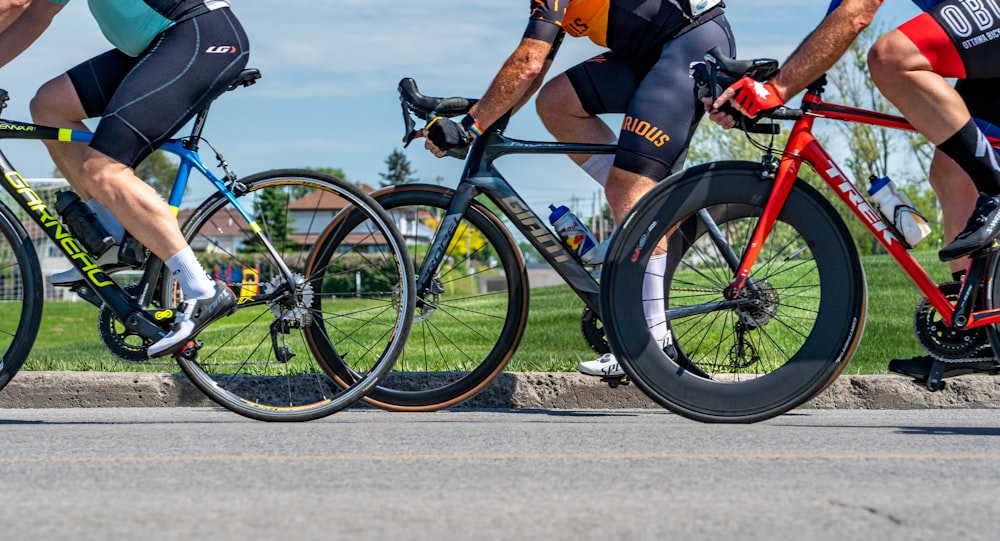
(411, 126)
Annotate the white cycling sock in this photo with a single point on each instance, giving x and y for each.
(598, 166)
(652, 296)
(108, 220)
(194, 281)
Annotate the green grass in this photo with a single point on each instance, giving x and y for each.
(553, 341)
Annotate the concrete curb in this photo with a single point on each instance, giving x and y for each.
(532, 390)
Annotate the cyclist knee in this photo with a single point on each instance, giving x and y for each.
(557, 99)
(892, 56)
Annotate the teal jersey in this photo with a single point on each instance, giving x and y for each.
(131, 25)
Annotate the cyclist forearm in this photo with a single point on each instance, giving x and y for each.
(21, 24)
(824, 46)
(519, 77)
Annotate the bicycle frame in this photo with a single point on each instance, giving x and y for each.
(106, 290)
(803, 147)
(481, 177)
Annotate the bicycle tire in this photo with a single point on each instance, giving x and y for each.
(458, 343)
(236, 367)
(754, 362)
(21, 295)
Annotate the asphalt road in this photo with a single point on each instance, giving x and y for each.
(183, 473)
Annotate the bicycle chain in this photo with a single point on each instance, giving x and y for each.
(944, 343)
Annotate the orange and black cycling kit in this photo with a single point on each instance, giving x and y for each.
(645, 75)
(632, 29)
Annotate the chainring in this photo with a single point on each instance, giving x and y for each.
(593, 332)
(124, 344)
(941, 341)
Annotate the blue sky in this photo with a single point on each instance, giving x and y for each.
(330, 69)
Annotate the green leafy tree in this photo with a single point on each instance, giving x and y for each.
(878, 151)
(400, 170)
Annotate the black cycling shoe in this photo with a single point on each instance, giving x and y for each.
(919, 368)
(980, 231)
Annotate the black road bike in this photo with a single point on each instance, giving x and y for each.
(472, 287)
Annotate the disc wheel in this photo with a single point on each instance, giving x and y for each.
(788, 333)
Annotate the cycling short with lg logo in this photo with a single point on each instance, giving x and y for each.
(961, 39)
(143, 101)
(657, 97)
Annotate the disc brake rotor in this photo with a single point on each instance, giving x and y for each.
(291, 307)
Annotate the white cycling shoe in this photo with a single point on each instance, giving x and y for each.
(607, 366)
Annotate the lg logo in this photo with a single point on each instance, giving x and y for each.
(221, 49)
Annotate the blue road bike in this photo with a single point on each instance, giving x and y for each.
(304, 302)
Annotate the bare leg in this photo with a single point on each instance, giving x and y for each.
(56, 104)
(957, 196)
(136, 204)
(925, 98)
(563, 115)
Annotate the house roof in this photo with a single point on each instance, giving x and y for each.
(322, 200)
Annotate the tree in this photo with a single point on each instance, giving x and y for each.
(159, 171)
(873, 149)
(400, 171)
(865, 150)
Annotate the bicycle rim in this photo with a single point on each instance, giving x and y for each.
(268, 360)
(468, 326)
(21, 295)
(791, 333)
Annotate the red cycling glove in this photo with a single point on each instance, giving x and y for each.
(754, 96)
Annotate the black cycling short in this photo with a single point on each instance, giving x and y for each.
(143, 101)
(960, 38)
(660, 106)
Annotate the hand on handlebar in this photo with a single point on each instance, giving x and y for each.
(750, 97)
(446, 137)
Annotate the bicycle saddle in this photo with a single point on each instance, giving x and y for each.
(247, 77)
(760, 69)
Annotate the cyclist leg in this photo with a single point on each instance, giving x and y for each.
(660, 120)
(65, 102)
(174, 79)
(957, 195)
(909, 65)
(569, 105)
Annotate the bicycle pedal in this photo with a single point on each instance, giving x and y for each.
(189, 351)
(614, 382)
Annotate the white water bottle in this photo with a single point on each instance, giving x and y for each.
(571, 230)
(899, 211)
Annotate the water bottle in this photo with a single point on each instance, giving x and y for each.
(897, 209)
(83, 223)
(571, 230)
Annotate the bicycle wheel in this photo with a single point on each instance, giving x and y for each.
(792, 331)
(268, 360)
(469, 323)
(21, 295)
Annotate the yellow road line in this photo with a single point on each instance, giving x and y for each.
(528, 457)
